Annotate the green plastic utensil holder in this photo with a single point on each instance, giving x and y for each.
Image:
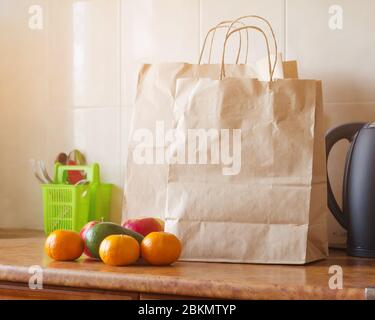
(70, 207)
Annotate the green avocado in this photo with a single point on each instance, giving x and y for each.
(102, 230)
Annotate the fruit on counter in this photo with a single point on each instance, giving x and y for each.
(63, 245)
(119, 250)
(83, 232)
(160, 248)
(96, 234)
(144, 226)
(162, 223)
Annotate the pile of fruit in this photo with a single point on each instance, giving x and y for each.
(116, 245)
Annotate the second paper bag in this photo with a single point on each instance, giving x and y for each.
(146, 180)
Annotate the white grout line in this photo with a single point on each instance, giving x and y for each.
(200, 28)
(286, 29)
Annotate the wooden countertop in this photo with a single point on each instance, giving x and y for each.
(21, 249)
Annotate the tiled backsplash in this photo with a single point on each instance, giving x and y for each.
(72, 82)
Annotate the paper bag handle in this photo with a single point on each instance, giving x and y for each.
(271, 70)
(227, 24)
(222, 25)
(269, 26)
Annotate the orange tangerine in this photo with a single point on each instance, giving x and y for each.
(119, 250)
(160, 248)
(64, 245)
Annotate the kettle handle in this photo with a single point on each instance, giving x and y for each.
(348, 132)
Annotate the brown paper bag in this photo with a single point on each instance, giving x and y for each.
(247, 177)
(145, 184)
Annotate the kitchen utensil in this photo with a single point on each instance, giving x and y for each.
(358, 208)
(43, 169)
(70, 207)
(62, 158)
(77, 157)
(40, 178)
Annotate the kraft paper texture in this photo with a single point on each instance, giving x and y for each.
(273, 211)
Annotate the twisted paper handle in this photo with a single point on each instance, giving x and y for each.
(234, 22)
(222, 74)
(223, 25)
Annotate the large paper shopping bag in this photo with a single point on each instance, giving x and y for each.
(146, 180)
(246, 176)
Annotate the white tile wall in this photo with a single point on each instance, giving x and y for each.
(73, 83)
(343, 59)
(23, 83)
(96, 53)
(96, 132)
(157, 31)
(59, 29)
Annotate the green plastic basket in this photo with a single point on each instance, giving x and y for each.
(70, 207)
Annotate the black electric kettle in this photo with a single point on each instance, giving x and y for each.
(358, 213)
